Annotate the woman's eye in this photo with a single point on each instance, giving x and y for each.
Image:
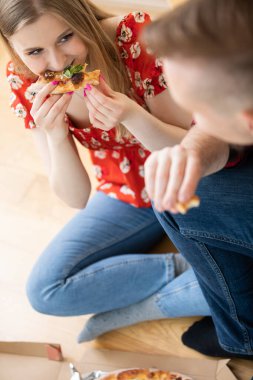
(67, 37)
(35, 52)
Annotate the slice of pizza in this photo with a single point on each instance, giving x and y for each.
(144, 374)
(184, 207)
(71, 79)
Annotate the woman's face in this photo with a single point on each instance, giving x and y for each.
(48, 44)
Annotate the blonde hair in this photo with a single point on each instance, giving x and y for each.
(83, 18)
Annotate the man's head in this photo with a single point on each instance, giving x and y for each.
(207, 49)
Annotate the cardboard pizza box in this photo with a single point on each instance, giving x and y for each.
(39, 361)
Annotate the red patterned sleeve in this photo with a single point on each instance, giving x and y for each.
(20, 99)
(144, 70)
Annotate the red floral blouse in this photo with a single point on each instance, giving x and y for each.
(118, 165)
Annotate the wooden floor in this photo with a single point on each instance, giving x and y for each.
(30, 215)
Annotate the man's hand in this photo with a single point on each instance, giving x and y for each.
(172, 174)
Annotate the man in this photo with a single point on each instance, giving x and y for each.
(207, 52)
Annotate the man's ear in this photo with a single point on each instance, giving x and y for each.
(248, 117)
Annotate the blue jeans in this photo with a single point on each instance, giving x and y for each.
(94, 265)
(217, 240)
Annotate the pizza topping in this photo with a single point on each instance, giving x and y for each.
(77, 78)
(71, 70)
(49, 75)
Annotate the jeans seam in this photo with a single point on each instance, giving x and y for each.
(79, 277)
(177, 290)
(227, 294)
(191, 233)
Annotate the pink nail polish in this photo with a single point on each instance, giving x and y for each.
(70, 93)
(88, 87)
(55, 82)
(102, 77)
(84, 93)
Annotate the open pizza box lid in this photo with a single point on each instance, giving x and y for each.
(40, 361)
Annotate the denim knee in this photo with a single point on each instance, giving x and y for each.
(36, 294)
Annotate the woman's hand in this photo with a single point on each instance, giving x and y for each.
(107, 108)
(48, 112)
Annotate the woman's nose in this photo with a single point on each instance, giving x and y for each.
(57, 61)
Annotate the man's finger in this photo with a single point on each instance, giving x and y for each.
(193, 174)
(177, 173)
(150, 174)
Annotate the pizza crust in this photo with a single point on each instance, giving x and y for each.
(184, 207)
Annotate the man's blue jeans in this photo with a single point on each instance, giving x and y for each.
(217, 240)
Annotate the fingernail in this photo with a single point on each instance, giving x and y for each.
(102, 77)
(88, 87)
(84, 93)
(70, 93)
(55, 82)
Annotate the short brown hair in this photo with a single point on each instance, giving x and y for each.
(205, 29)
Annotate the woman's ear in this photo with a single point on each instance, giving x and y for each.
(248, 117)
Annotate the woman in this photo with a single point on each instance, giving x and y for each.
(93, 265)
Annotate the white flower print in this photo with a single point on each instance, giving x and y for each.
(30, 95)
(106, 186)
(95, 142)
(162, 81)
(86, 130)
(98, 171)
(141, 171)
(112, 195)
(101, 154)
(20, 111)
(11, 66)
(146, 83)
(144, 195)
(32, 124)
(125, 165)
(158, 62)
(12, 98)
(142, 153)
(150, 90)
(124, 54)
(135, 50)
(125, 34)
(116, 155)
(105, 136)
(133, 140)
(127, 191)
(15, 82)
(129, 73)
(85, 144)
(139, 16)
(138, 81)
